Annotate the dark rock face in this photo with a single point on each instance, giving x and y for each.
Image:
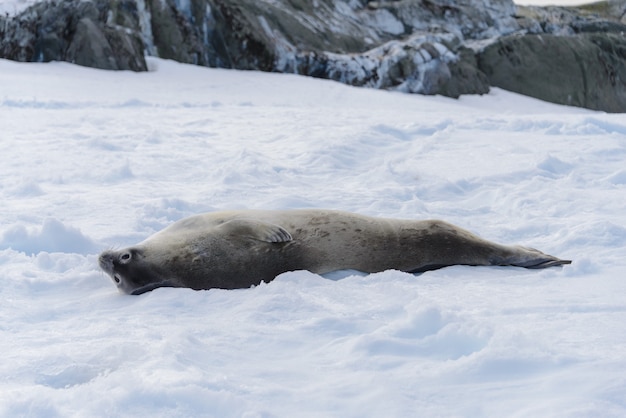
(72, 31)
(585, 70)
(393, 44)
(465, 76)
(571, 56)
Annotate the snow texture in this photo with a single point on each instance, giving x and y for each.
(14, 7)
(93, 159)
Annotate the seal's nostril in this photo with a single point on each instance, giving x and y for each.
(117, 279)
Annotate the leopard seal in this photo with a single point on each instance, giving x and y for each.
(238, 249)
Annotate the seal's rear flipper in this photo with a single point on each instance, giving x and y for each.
(549, 263)
(531, 258)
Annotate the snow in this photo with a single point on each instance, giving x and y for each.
(13, 7)
(93, 159)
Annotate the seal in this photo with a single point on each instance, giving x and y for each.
(239, 249)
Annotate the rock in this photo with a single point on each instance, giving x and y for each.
(603, 16)
(90, 48)
(238, 27)
(347, 41)
(465, 76)
(171, 34)
(575, 57)
(585, 70)
(126, 49)
(74, 31)
(399, 45)
(423, 63)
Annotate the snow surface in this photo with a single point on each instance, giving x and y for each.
(93, 159)
(13, 7)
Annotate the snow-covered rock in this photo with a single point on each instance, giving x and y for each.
(429, 47)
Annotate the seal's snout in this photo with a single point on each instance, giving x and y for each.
(129, 278)
(105, 260)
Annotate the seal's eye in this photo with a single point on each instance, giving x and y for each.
(125, 257)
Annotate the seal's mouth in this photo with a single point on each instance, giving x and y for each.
(149, 287)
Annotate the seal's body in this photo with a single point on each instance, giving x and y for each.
(239, 249)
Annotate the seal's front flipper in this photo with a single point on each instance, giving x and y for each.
(259, 230)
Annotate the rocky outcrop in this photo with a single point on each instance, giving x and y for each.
(603, 16)
(572, 56)
(74, 31)
(416, 48)
(424, 63)
(585, 70)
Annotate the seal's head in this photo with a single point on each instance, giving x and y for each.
(131, 272)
